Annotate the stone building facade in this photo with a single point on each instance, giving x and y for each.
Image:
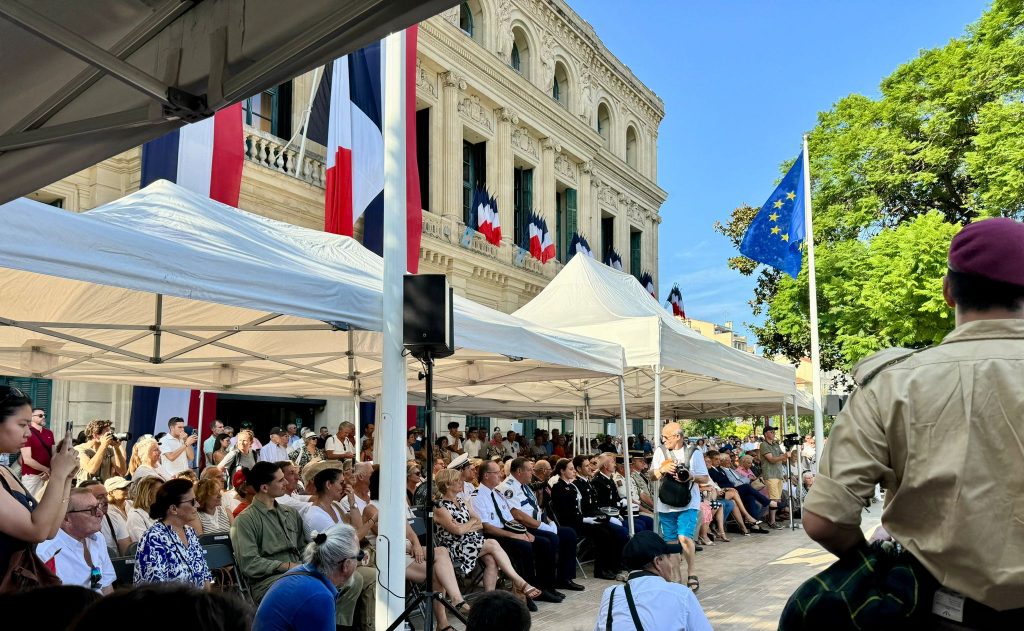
(519, 97)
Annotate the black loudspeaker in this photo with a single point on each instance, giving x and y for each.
(428, 322)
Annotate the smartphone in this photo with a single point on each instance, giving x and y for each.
(68, 427)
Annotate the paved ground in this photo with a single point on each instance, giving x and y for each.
(744, 583)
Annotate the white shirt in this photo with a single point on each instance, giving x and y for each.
(467, 492)
(660, 605)
(521, 501)
(473, 447)
(316, 519)
(409, 453)
(146, 471)
(338, 446)
(697, 467)
(301, 503)
(168, 444)
(272, 452)
(511, 449)
(119, 531)
(360, 504)
(139, 522)
(294, 440)
(483, 504)
(70, 561)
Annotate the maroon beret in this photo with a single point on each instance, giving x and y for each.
(991, 248)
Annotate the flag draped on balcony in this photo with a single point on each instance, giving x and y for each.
(352, 89)
(613, 260)
(485, 211)
(579, 245)
(675, 298)
(547, 243)
(648, 283)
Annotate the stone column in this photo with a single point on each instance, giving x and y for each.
(451, 147)
(544, 187)
(622, 232)
(595, 216)
(503, 182)
(584, 205)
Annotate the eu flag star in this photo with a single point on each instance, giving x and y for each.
(774, 216)
(785, 237)
(791, 195)
(778, 203)
(775, 230)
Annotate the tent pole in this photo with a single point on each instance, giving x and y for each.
(586, 420)
(391, 527)
(359, 428)
(799, 465)
(789, 470)
(657, 436)
(625, 454)
(199, 428)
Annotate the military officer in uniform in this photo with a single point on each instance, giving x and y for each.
(526, 510)
(572, 510)
(534, 557)
(942, 430)
(608, 496)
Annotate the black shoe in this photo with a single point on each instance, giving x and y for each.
(532, 606)
(699, 548)
(572, 586)
(560, 595)
(606, 575)
(547, 596)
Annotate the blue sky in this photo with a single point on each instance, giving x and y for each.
(741, 82)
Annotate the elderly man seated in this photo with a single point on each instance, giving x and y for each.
(608, 499)
(78, 551)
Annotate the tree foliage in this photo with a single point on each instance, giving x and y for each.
(894, 178)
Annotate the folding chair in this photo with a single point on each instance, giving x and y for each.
(132, 549)
(219, 557)
(218, 538)
(124, 570)
(582, 547)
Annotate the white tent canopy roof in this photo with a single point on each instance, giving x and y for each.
(84, 81)
(246, 304)
(700, 377)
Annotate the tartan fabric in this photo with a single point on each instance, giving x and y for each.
(876, 586)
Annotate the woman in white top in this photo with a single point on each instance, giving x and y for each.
(325, 508)
(148, 452)
(139, 520)
(212, 515)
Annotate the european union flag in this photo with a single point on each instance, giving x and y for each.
(777, 232)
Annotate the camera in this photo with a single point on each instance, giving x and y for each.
(791, 440)
(189, 430)
(122, 436)
(682, 472)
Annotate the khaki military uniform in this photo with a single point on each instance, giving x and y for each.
(943, 431)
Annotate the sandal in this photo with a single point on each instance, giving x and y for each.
(724, 539)
(462, 607)
(693, 583)
(528, 590)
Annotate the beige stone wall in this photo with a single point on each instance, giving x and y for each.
(474, 93)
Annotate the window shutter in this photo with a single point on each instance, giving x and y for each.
(570, 211)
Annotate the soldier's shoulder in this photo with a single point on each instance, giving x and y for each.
(871, 366)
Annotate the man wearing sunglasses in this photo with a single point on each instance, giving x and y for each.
(36, 454)
(78, 553)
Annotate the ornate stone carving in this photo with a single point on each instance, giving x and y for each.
(471, 109)
(635, 212)
(452, 80)
(503, 29)
(547, 58)
(524, 142)
(587, 167)
(550, 144)
(586, 95)
(451, 16)
(506, 115)
(609, 196)
(425, 80)
(565, 167)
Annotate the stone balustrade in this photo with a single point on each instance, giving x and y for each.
(270, 151)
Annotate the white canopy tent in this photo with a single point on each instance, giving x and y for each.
(166, 287)
(86, 80)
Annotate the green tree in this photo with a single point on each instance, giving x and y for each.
(893, 180)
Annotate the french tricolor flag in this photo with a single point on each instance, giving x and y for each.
(547, 243)
(675, 298)
(534, 236)
(204, 157)
(351, 95)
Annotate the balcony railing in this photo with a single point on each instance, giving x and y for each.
(269, 151)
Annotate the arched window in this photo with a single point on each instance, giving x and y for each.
(471, 19)
(560, 86)
(466, 18)
(632, 146)
(520, 57)
(604, 124)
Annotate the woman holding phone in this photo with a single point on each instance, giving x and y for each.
(24, 521)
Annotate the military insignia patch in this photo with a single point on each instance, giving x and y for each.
(508, 493)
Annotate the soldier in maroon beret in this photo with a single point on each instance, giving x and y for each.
(942, 430)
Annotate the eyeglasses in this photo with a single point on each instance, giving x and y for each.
(193, 502)
(96, 511)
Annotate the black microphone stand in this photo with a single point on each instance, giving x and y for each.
(428, 597)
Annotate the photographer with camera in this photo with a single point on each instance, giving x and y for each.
(679, 468)
(101, 456)
(176, 451)
(773, 470)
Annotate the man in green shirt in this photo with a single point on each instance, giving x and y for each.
(773, 470)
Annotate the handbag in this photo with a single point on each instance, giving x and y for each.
(24, 569)
(672, 492)
(757, 484)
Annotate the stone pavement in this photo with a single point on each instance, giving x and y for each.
(744, 583)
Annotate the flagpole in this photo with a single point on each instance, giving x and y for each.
(305, 123)
(819, 427)
(391, 527)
